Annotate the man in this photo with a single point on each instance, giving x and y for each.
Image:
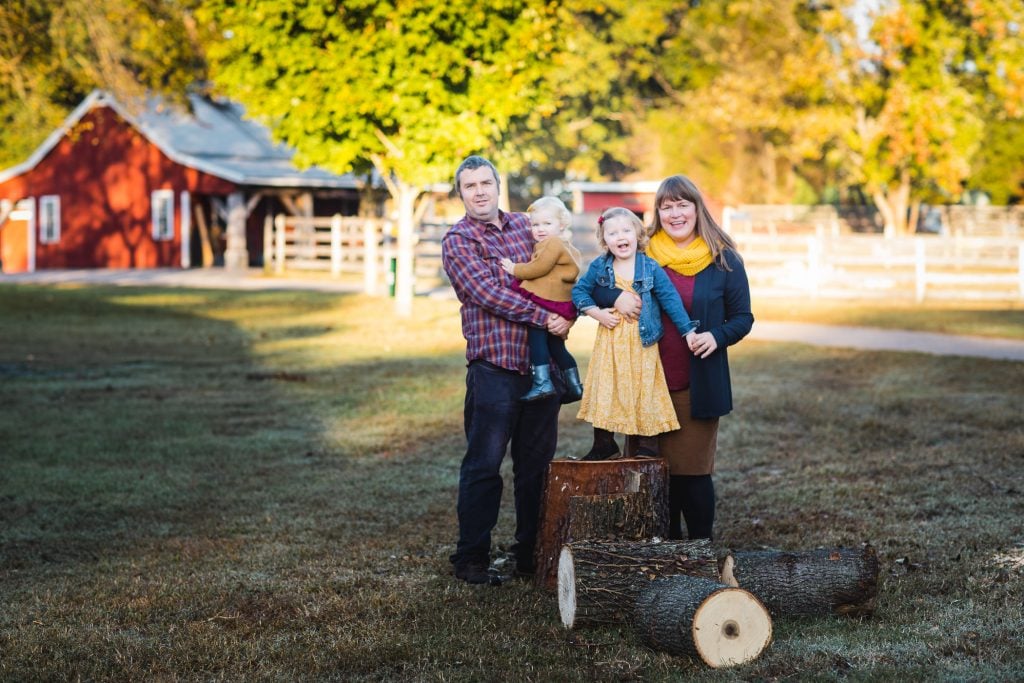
(494, 323)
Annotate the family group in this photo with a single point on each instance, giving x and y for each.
(668, 301)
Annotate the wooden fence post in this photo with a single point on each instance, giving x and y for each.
(919, 269)
(813, 265)
(1020, 268)
(336, 245)
(370, 257)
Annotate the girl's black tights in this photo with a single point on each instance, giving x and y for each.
(692, 498)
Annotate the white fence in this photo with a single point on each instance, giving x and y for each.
(917, 268)
(346, 244)
(822, 263)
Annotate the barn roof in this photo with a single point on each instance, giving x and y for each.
(214, 137)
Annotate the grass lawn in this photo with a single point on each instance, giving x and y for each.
(213, 485)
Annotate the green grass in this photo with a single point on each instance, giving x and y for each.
(200, 485)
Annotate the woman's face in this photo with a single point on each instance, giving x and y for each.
(620, 237)
(679, 219)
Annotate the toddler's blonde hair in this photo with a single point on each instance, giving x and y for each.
(617, 212)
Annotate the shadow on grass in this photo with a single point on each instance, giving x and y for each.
(135, 416)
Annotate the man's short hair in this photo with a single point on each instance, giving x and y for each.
(472, 163)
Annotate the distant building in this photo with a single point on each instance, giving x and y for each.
(120, 187)
(594, 198)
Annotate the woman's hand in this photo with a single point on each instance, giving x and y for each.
(508, 266)
(607, 317)
(702, 345)
(628, 305)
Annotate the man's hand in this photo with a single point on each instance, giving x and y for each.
(628, 305)
(559, 326)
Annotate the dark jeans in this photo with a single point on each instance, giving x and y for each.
(495, 417)
(546, 348)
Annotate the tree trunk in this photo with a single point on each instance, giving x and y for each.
(599, 581)
(697, 617)
(893, 202)
(571, 478)
(405, 279)
(815, 582)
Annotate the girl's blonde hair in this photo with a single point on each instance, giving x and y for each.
(554, 205)
(642, 238)
(680, 188)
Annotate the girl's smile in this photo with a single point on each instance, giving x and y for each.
(620, 238)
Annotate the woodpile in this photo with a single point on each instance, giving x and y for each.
(601, 546)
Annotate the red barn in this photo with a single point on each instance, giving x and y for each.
(156, 186)
(594, 198)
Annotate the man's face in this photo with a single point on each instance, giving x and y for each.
(479, 191)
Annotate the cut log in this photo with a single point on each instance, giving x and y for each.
(599, 581)
(692, 616)
(815, 582)
(567, 479)
(615, 516)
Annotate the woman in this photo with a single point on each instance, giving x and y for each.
(703, 264)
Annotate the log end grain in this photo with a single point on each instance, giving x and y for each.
(730, 628)
(566, 588)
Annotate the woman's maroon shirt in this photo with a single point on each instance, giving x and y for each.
(675, 354)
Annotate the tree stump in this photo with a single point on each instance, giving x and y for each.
(599, 581)
(642, 516)
(697, 617)
(815, 582)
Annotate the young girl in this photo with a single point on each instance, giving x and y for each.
(547, 279)
(625, 388)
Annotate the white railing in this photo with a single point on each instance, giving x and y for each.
(918, 268)
(346, 244)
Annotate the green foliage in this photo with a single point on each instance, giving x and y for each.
(999, 163)
(936, 74)
(407, 87)
(745, 98)
(53, 54)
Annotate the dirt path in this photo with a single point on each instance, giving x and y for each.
(878, 339)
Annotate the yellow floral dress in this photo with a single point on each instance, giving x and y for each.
(625, 389)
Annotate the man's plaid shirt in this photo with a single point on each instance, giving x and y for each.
(494, 317)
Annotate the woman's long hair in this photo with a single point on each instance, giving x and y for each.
(680, 188)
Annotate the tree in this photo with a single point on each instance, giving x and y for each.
(935, 76)
(405, 88)
(748, 98)
(53, 54)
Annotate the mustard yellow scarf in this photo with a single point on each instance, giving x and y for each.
(688, 260)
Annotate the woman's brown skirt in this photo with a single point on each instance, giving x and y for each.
(691, 448)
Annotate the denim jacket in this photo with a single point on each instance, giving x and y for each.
(650, 282)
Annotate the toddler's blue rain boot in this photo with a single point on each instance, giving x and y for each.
(574, 387)
(542, 384)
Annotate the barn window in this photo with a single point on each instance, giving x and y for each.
(163, 214)
(49, 219)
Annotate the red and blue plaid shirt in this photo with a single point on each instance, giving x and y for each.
(494, 317)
